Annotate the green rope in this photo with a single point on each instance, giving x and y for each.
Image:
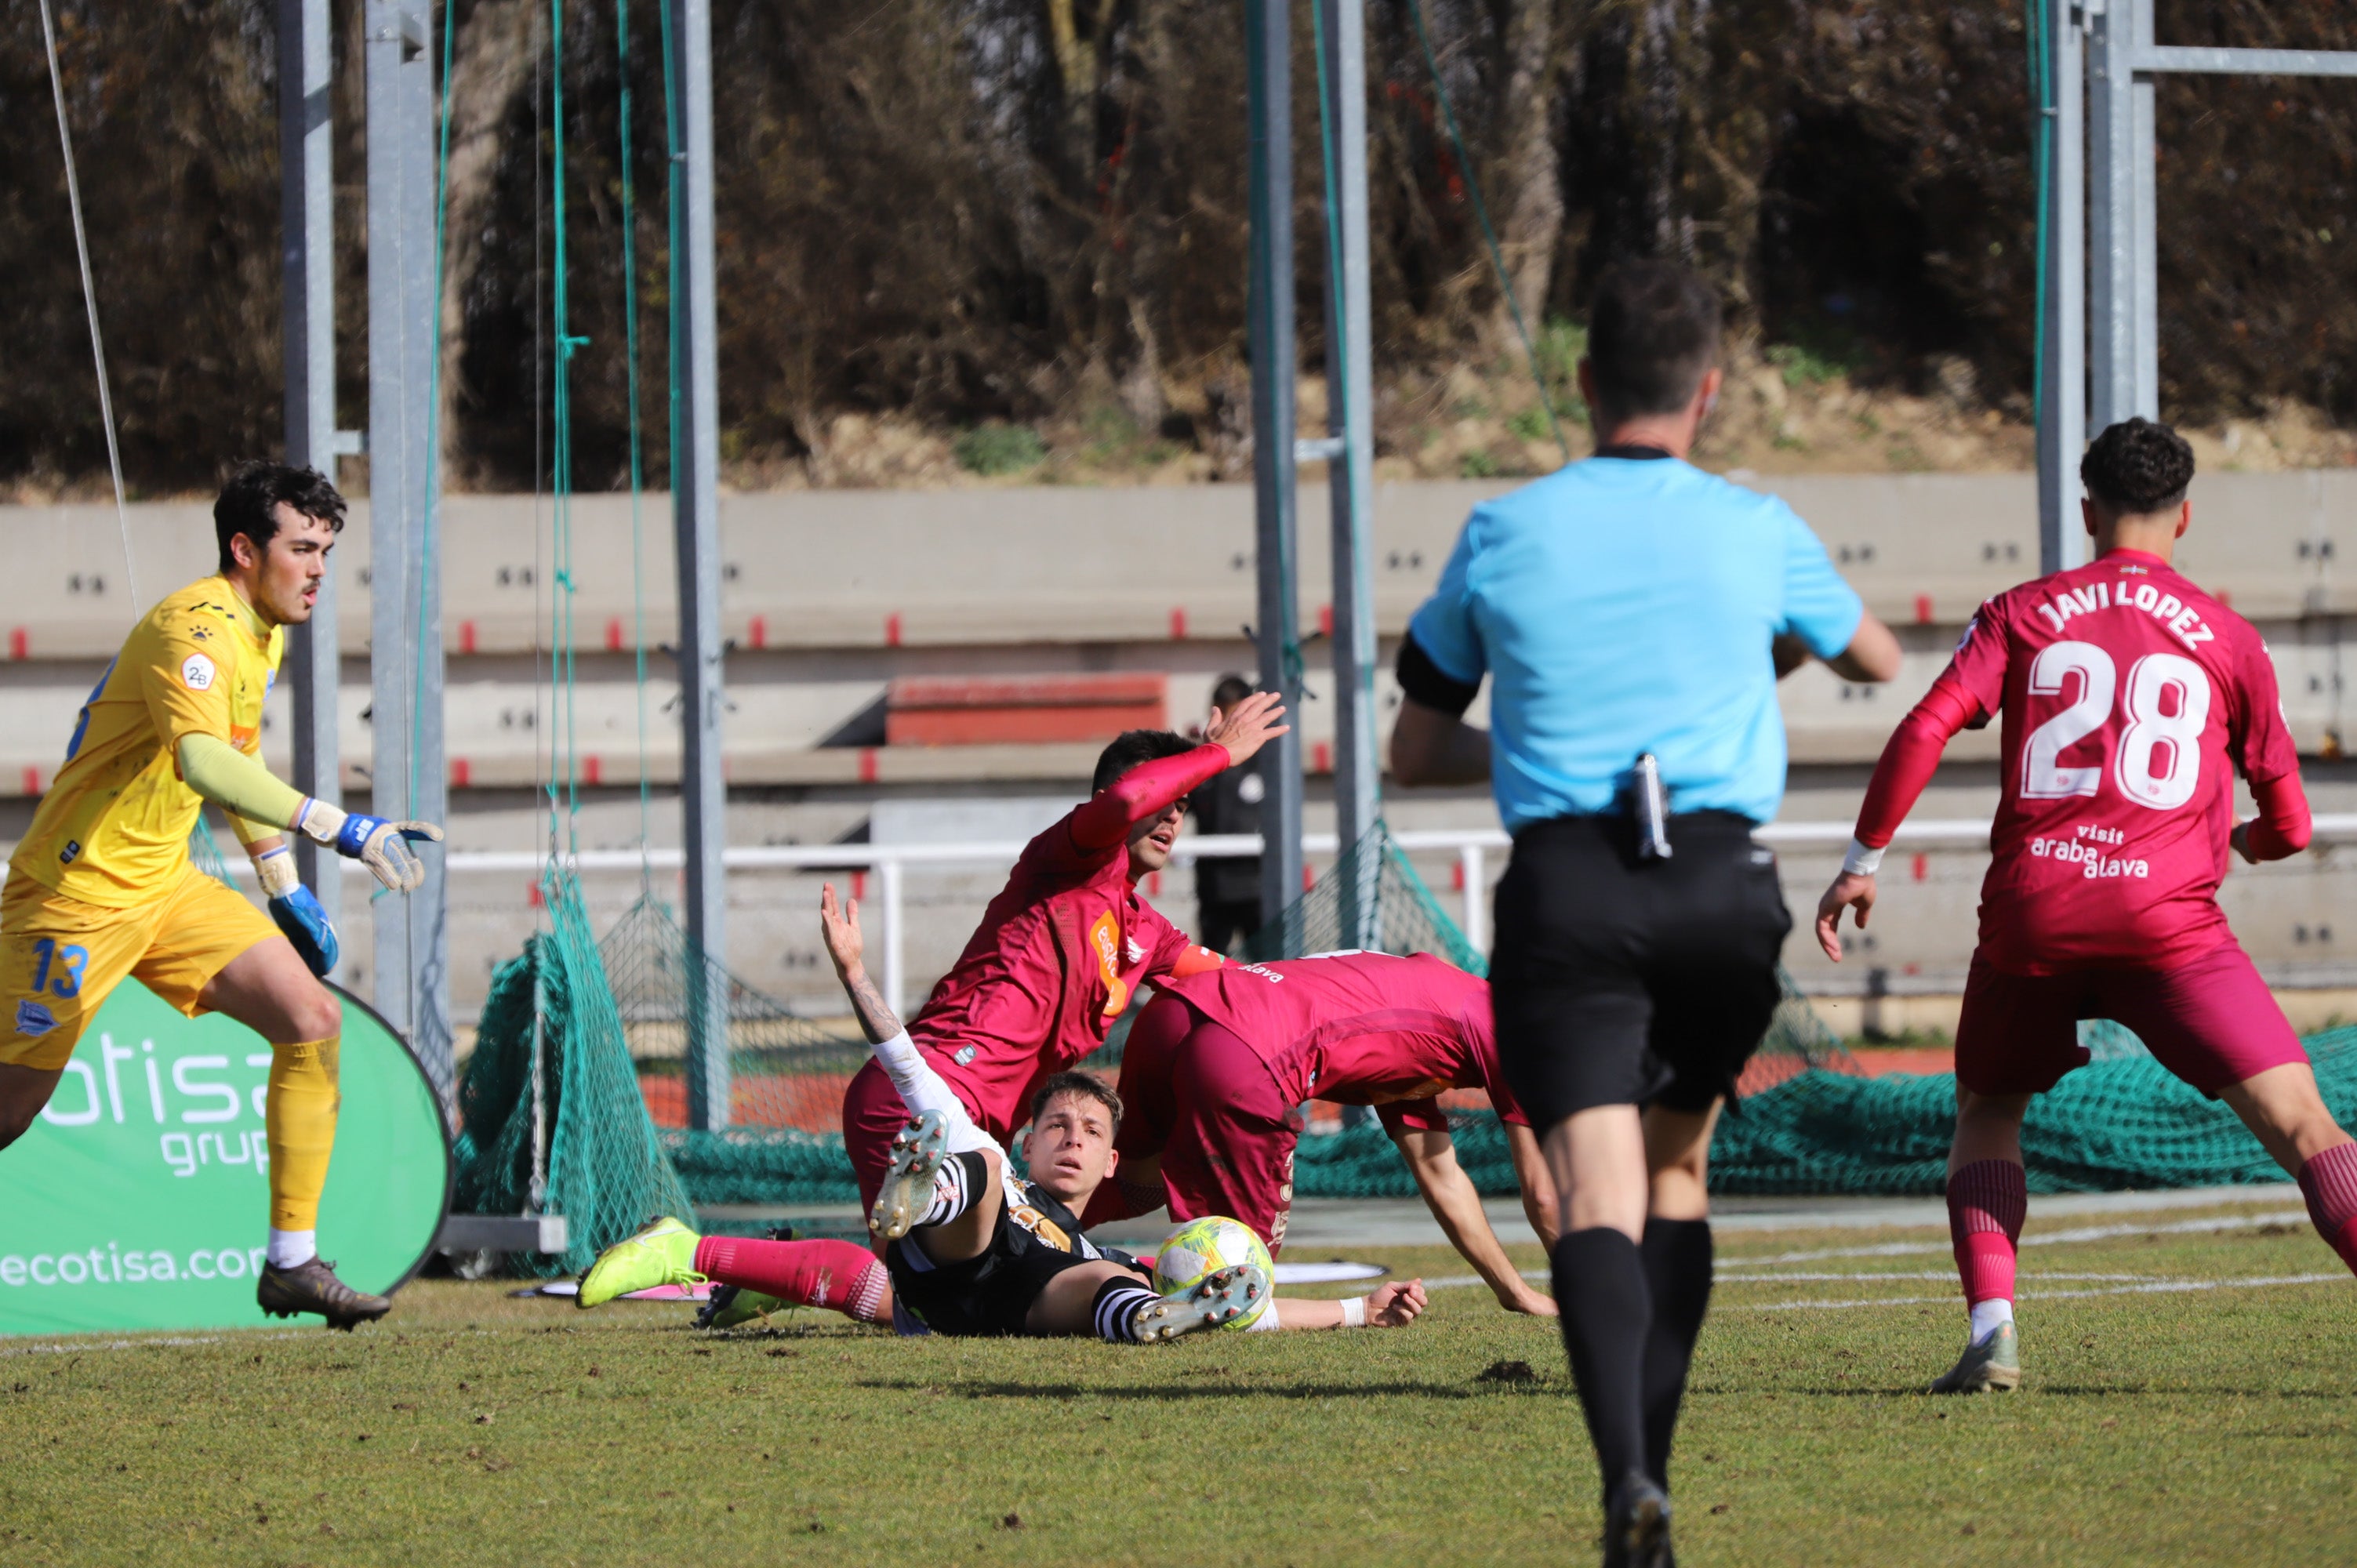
(675, 165)
(1489, 236)
(630, 332)
(432, 517)
(561, 417)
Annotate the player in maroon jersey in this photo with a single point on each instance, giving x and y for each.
(2129, 699)
(1061, 948)
(1216, 1070)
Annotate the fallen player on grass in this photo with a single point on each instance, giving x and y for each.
(970, 1247)
(1063, 946)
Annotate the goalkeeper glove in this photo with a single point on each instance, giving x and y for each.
(297, 910)
(382, 846)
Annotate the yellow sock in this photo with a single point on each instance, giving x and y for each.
(300, 1121)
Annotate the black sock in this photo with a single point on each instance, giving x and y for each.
(1606, 1311)
(1677, 1255)
(962, 1179)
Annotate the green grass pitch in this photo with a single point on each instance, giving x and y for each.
(2159, 1424)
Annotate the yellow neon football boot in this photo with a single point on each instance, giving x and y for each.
(662, 1253)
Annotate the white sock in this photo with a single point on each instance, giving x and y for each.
(288, 1248)
(1987, 1316)
(922, 1089)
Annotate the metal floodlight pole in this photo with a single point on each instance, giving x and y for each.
(1269, 56)
(405, 766)
(1351, 420)
(307, 242)
(696, 500)
(2063, 414)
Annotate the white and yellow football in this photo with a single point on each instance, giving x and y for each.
(1201, 1246)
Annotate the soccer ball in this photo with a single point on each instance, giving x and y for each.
(1199, 1246)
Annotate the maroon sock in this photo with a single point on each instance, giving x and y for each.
(837, 1274)
(1987, 1201)
(2328, 1182)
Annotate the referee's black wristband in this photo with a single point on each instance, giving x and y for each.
(1429, 685)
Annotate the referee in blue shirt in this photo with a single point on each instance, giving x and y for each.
(1633, 614)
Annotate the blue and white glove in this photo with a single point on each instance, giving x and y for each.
(382, 846)
(297, 910)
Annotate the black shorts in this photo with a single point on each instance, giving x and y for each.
(990, 1295)
(1622, 981)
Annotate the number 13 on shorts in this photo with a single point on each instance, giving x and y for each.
(57, 970)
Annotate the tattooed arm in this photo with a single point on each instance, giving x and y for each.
(839, 923)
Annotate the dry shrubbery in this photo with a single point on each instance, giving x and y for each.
(967, 238)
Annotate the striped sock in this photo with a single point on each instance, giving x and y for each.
(1116, 1310)
(2328, 1182)
(960, 1179)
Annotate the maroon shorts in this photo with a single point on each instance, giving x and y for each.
(1231, 1149)
(1149, 1058)
(2212, 1021)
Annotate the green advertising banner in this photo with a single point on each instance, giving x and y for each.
(140, 1197)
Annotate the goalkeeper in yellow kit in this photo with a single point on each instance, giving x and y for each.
(102, 887)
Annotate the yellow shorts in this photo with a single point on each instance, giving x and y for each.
(60, 959)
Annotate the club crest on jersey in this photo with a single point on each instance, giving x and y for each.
(32, 1018)
(71, 853)
(197, 673)
(1104, 940)
(1039, 1225)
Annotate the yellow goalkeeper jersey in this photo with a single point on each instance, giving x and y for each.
(114, 830)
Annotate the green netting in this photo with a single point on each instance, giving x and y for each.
(205, 852)
(607, 1168)
(2123, 1122)
(1370, 897)
(787, 1076)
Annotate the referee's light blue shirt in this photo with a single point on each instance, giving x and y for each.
(1626, 605)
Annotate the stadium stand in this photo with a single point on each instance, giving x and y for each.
(832, 597)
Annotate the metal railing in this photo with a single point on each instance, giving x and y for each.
(1471, 846)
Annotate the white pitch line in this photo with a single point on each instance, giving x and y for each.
(1453, 1282)
(1870, 1277)
(2151, 1288)
(2044, 1239)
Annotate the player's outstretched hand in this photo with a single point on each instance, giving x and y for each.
(1396, 1304)
(1531, 1304)
(381, 846)
(838, 922)
(1247, 727)
(1849, 891)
